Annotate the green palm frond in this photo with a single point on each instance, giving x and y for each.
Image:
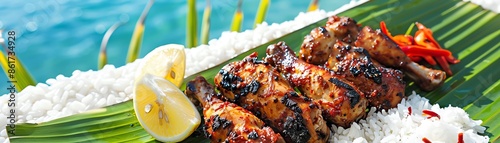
(205, 25)
(16, 72)
(313, 6)
(237, 18)
(191, 30)
(466, 29)
(136, 41)
(261, 12)
(103, 57)
(408, 32)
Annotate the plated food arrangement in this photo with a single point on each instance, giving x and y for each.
(427, 118)
(341, 71)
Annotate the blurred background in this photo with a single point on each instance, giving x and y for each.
(59, 36)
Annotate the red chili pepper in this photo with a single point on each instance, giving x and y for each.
(452, 60)
(428, 34)
(422, 46)
(414, 58)
(430, 114)
(409, 110)
(425, 140)
(404, 39)
(444, 64)
(422, 51)
(460, 137)
(430, 60)
(421, 40)
(384, 30)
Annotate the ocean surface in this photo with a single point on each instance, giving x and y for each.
(59, 36)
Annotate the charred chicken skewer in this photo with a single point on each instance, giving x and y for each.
(226, 121)
(381, 49)
(342, 103)
(383, 87)
(259, 88)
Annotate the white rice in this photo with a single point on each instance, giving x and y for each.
(64, 96)
(493, 5)
(397, 125)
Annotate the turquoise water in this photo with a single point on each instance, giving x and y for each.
(59, 36)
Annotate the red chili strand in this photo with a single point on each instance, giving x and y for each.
(409, 110)
(444, 65)
(460, 137)
(431, 114)
(431, 50)
(425, 140)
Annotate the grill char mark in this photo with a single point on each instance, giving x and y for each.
(351, 92)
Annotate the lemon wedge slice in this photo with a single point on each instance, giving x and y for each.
(163, 110)
(167, 61)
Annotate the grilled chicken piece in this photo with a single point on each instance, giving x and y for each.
(342, 103)
(259, 88)
(385, 51)
(382, 86)
(226, 121)
(344, 28)
(318, 45)
(381, 49)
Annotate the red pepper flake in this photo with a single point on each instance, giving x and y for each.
(425, 140)
(430, 114)
(409, 110)
(460, 137)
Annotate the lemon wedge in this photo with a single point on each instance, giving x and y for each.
(163, 110)
(167, 61)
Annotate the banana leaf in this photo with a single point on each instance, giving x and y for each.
(470, 32)
(191, 21)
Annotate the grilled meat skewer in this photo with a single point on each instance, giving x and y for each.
(228, 122)
(259, 88)
(383, 87)
(342, 103)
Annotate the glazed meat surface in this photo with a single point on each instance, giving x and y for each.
(318, 45)
(344, 28)
(259, 88)
(384, 87)
(228, 122)
(342, 103)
